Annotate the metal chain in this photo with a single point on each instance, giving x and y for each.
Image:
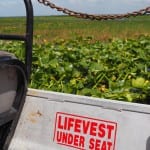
(94, 17)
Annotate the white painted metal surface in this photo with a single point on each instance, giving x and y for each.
(56, 121)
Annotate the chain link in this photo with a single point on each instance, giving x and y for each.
(94, 17)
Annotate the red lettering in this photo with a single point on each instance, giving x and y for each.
(110, 129)
(58, 136)
(101, 132)
(91, 142)
(64, 137)
(81, 141)
(77, 127)
(76, 140)
(93, 128)
(60, 126)
(104, 146)
(70, 138)
(70, 123)
(65, 123)
(97, 145)
(85, 126)
(109, 144)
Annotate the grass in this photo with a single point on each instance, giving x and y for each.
(69, 57)
(52, 28)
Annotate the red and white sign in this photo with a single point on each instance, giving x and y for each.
(84, 133)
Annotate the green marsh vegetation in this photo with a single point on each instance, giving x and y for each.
(107, 59)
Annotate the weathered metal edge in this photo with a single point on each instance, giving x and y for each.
(85, 100)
